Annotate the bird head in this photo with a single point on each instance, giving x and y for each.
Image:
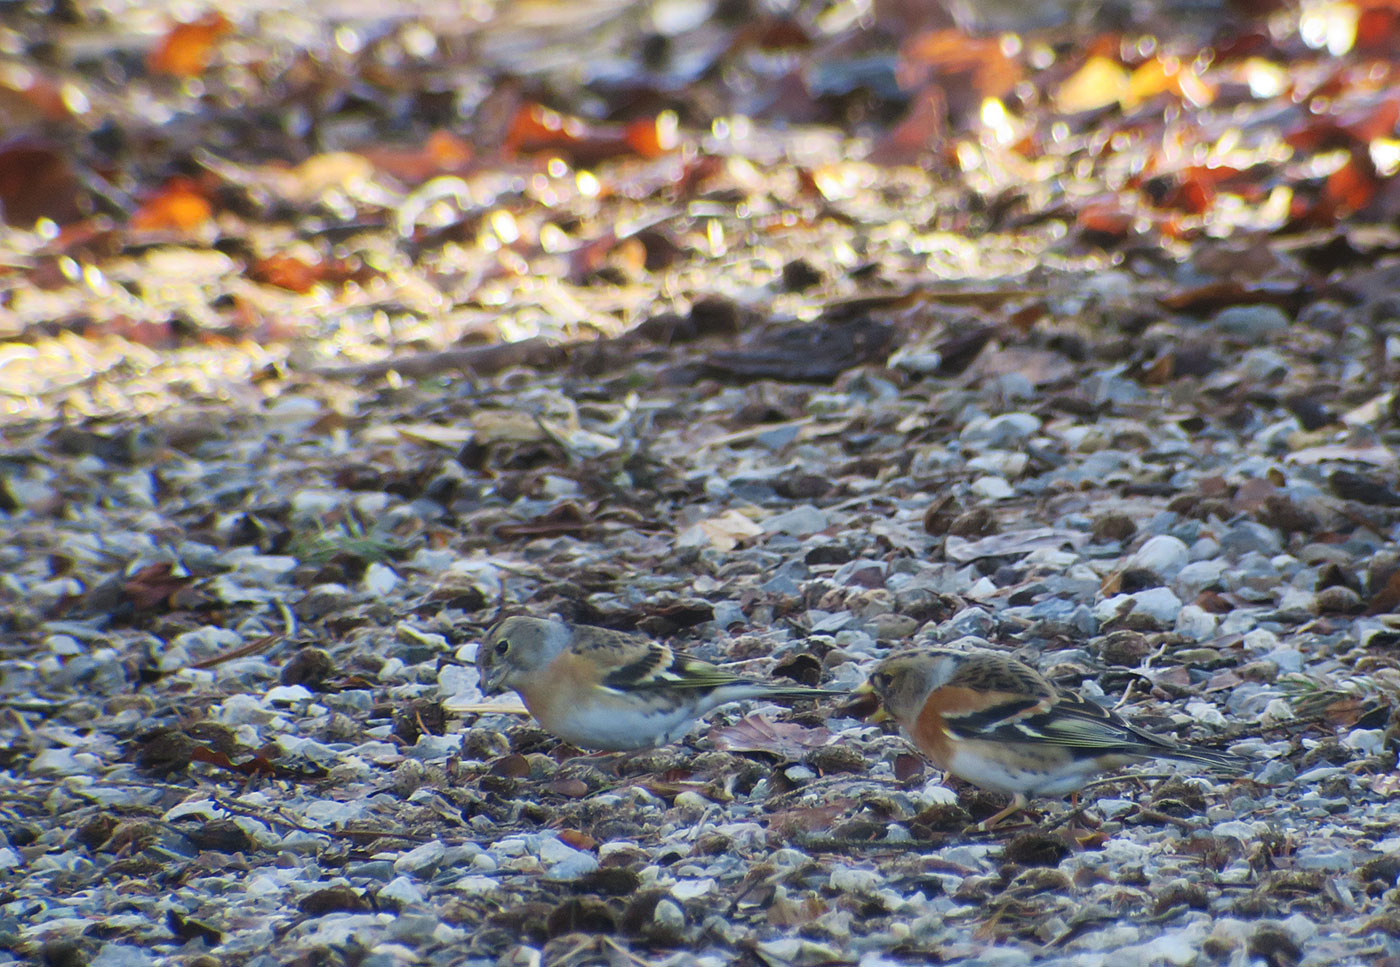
(516, 647)
(900, 684)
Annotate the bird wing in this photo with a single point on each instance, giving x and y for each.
(633, 663)
(662, 668)
(995, 673)
(1086, 729)
(646, 666)
(1080, 724)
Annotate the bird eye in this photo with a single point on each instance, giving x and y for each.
(502, 647)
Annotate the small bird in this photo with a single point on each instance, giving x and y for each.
(999, 724)
(596, 688)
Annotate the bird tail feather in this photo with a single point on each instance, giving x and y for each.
(1215, 759)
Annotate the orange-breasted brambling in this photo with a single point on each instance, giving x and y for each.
(597, 688)
(988, 719)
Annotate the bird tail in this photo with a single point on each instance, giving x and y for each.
(801, 691)
(1212, 758)
(749, 688)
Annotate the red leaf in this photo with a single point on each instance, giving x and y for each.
(1378, 31)
(922, 132)
(36, 182)
(1352, 186)
(1106, 216)
(578, 840)
(907, 766)
(285, 272)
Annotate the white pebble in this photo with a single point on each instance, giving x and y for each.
(380, 579)
(401, 890)
(844, 879)
(1278, 710)
(690, 889)
(1163, 555)
(669, 916)
(1196, 623)
(992, 488)
(1368, 741)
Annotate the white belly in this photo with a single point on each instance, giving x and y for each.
(620, 729)
(1006, 778)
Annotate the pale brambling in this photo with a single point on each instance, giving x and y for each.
(999, 724)
(596, 688)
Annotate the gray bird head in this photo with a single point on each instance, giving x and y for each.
(515, 648)
(902, 683)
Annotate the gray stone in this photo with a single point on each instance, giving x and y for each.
(798, 522)
(1163, 555)
(122, 955)
(1160, 604)
(1247, 536)
(401, 890)
(1251, 323)
(1002, 431)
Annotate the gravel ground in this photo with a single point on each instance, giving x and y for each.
(241, 589)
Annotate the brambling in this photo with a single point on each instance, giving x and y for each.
(596, 688)
(999, 724)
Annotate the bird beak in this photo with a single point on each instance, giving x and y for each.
(866, 705)
(491, 679)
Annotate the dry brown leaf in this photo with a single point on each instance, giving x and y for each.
(724, 533)
(753, 733)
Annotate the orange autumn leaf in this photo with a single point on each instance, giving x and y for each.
(1105, 216)
(953, 56)
(295, 275)
(536, 127)
(578, 840)
(442, 153)
(446, 150)
(1352, 186)
(285, 272)
(1166, 75)
(187, 49)
(179, 206)
(655, 137)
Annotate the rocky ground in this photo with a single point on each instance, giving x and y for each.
(780, 392)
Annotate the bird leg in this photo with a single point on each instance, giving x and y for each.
(1018, 803)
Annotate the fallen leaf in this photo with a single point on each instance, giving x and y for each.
(907, 766)
(178, 206)
(1098, 84)
(562, 519)
(754, 733)
(569, 789)
(447, 437)
(962, 551)
(36, 181)
(154, 585)
(185, 51)
(723, 533)
(1378, 456)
